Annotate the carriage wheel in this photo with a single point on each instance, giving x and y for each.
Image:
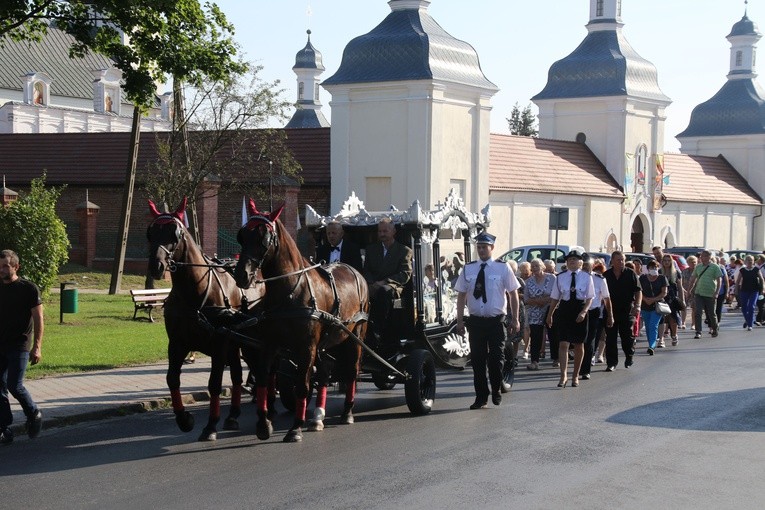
(384, 380)
(285, 383)
(420, 388)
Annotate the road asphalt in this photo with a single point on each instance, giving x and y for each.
(74, 398)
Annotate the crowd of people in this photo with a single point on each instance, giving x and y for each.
(584, 309)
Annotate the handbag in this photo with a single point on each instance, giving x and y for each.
(662, 308)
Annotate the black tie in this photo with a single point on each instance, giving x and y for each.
(479, 292)
(572, 296)
(334, 248)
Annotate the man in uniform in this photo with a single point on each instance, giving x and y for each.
(21, 314)
(486, 286)
(338, 249)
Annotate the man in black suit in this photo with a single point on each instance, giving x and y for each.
(338, 249)
(387, 269)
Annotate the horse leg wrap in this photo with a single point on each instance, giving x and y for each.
(317, 423)
(235, 411)
(350, 393)
(300, 405)
(261, 395)
(321, 397)
(214, 408)
(177, 400)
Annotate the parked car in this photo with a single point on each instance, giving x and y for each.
(644, 258)
(687, 251)
(740, 254)
(679, 260)
(542, 251)
(605, 256)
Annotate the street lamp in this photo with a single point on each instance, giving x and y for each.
(270, 185)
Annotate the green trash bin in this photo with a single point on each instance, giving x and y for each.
(69, 300)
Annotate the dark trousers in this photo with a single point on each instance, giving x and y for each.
(537, 333)
(593, 332)
(13, 366)
(707, 305)
(760, 310)
(487, 346)
(748, 300)
(623, 327)
(381, 298)
(719, 306)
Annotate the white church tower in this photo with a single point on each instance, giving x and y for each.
(606, 95)
(308, 67)
(732, 122)
(410, 115)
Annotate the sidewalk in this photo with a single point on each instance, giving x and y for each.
(74, 398)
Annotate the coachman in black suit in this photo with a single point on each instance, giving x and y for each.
(338, 249)
(387, 269)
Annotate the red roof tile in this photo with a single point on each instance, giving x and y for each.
(99, 159)
(521, 163)
(706, 179)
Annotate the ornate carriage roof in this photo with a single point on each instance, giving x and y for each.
(449, 215)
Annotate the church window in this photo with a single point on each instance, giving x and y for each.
(300, 90)
(754, 57)
(739, 58)
(619, 8)
(599, 9)
(316, 92)
(641, 162)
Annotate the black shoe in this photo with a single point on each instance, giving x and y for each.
(610, 368)
(478, 404)
(496, 398)
(586, 377)
(34, 424)
(6, 436)
(650, 351)
(628, 362)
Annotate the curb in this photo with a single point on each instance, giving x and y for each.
(120, 410)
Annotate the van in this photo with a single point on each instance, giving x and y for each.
(540, 251)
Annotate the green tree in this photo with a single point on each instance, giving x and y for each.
(167, 38)
(522, 122)
(30, 227)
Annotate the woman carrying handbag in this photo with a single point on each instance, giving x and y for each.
(654, 288)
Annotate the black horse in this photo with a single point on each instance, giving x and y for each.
(306, 309)
(204, 297)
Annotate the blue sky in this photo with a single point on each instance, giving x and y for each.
(516, 41)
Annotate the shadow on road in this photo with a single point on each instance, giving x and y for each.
(729, 411)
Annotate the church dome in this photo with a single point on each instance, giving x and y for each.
(409, 45)
(309, 57)
(738, 108)
(744, 27)
(604, 64)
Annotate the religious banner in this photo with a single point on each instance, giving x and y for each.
(659, 183)
(629, 182)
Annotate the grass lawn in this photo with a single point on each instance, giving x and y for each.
(101, 335)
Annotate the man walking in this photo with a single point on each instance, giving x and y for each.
(705, 283)
(626, 296)
(21, 315)
(487, 286)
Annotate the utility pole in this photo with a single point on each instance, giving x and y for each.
(127, 204)
(179, 118)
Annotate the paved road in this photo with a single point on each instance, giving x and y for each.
(682, 429)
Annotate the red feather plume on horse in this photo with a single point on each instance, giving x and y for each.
(180, 211)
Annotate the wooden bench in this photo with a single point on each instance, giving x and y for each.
(148, 299)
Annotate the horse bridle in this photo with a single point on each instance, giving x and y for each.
(268, 242)
(180, 235)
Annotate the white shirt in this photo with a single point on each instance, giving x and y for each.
(334, 255)
(601, 291)
(585, 289)
(499, 279)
